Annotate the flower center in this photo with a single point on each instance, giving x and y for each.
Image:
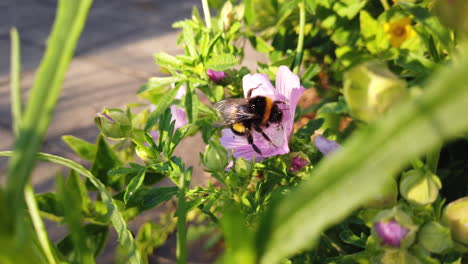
(399, 31)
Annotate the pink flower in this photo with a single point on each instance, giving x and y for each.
(288, 90)
(215, 76)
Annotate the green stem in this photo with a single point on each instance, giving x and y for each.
(333, 244)
(181, 250)
(15, 80)
(385, 4)
(38, 224)
(300, 41)
(432, 159)
(206, 13)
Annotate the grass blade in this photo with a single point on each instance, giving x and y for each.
(117, 219)
(70, 19)
(39, 226)
(15, 80)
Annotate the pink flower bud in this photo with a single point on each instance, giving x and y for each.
(216, 76)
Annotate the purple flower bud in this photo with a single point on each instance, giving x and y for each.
(391, 232)
(216, 76)
(298, 163)
(325, 145)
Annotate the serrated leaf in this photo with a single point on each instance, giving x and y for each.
(189, 39)
(95, 238)
(167, 61)
(105, 160)
(157, 82)
(74, 182)
(81, 147)
(221, 62)
(156, 196)
(191, 104)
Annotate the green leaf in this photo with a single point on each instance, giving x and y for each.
(191, 104)
(124, 235)
(260, 44)
(167, 61)
(134, 184)
(71, 201)
(373, 33)
(49, 204)
(349, 8)
(95, 239)
(189, 39)
(156, 196)
(154, 83)
(105, 160)
(209, 49)
(240, 246)
(346, 179)
(349, 237)
(81, 147)
(249, 12)
(222, 62)
(69, 22)
(311, 72)
(74, 182)
(309, 129)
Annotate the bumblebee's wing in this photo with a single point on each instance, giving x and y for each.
(232, 111)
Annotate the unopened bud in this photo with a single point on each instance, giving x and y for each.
(435, 237)
(371, 89)
(394, 228)
(420, 186)
(114, 123)
(242, 167)
(215, 158)
(455, 216)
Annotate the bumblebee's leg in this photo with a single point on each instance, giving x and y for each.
(249, 93)
(250, 140)
(280, 102)
(260, 130)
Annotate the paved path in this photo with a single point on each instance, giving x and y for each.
(113, 59)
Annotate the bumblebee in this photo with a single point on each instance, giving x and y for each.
(246, 114)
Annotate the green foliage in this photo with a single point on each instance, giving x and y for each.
(268, 209)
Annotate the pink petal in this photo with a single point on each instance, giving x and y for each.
(179, 115)
(265, 88)
(290, 90)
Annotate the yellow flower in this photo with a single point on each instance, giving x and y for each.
(399, 31)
